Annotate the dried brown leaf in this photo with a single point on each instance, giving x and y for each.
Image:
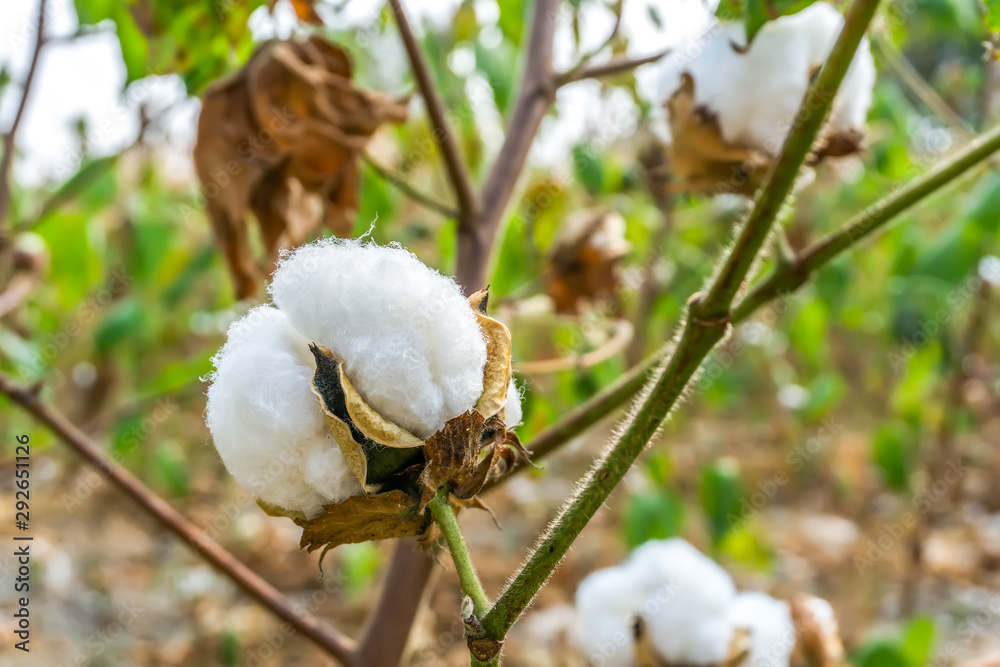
(393, 514)
(282, 134)
(585, 261)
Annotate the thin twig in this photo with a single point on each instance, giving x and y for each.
(534, 98)
(621, 335)
(400, 184)
(9, 139)
(389, 625)
(327, 638)
(706, 325)
(593, 53)
(468, 201)
(611, 68)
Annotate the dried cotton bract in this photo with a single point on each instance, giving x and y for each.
(372, 384)
(670, 605)
(730, 106)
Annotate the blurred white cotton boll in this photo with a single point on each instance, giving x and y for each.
(688, 596)
(410, 343)
(772, 632)
(512, 409)
(264, 418)
(606, 604)
(756, 93)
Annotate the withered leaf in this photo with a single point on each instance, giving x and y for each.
(585, 261)
(387, 515)
(372, 461)
(817, 643)
(282, 137)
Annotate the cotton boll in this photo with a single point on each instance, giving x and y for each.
(606, 604)
(687, 600)
(326, 470)
(512, 410)
(772, 633)
(755, 93)
(410, 343)
(264, 417)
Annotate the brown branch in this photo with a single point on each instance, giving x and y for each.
(327, 638)
(389, 625)
(468, 201)
(536, 95)
(8, 141)
(607, 69)
(400, 184)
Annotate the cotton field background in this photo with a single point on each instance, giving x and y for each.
(633, 333)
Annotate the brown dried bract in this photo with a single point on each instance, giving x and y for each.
(701, 157)
(282, 138)
(647, 656)
(818, 643)
(585, 262)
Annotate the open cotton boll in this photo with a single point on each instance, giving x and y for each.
(688, 599)
(409, 341)
(607, 602)
(265, 421)
(772, 632)
(512, 409)
(755, 93)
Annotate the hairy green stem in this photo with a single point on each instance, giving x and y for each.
(707, 324)
(782, 177)
(790, 277)
(444, 515)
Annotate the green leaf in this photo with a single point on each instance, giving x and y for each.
(759, 12)
(133, 44)
(892, 453)
(121, 323)
(993, 15)
(720, 493)
(512, 20)
(588, 168)
(654, 515)
(170, 469)
(89, 12)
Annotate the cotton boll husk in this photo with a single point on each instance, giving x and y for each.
(410, 343)
(687, 602)
(606, 604)
(772, 633)
(264, 418)
(512, 409)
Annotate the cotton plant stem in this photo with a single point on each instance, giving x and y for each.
(465, 193)
(792, 276)
(706, 325)
(610, 68)
(784, 280)
(408, 190)
(445, 517)
(324, 636)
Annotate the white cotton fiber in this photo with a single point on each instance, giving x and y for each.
(756, 93)
(512, 409)
(265, 421)
(772, 633)
(411, 344)
(607, 603)
(688, 596)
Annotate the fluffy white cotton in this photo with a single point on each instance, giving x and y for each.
(755, 94)
(512, 409)
(607, 603)
(410, 343)
(691, 595)
(772, 633)
(265, 421)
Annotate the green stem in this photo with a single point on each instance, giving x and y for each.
(707, 324)
(783, 280)
(792, 276)
(444, 515)
(782, 177)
